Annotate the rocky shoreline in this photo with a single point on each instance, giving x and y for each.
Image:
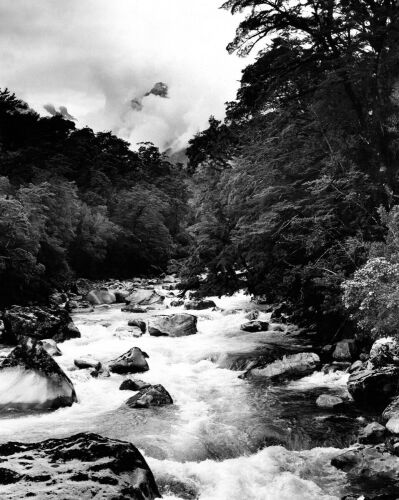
(32, 337)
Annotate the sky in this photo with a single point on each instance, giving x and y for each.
(95, 56)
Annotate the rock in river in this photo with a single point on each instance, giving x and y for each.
(87, 362)
(292, 365)
(82, 466)
(371, 471)
(38, 323)
(199, 304)
(31, 379)
(156, 395)
(133, 361)
(328, 401)
(133, 385)
(175, 325)
(144, 297)
(374, 386)
(255, 326)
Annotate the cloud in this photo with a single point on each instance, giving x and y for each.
(99, 58)
(62, 110)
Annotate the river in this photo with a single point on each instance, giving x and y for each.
(224, 438)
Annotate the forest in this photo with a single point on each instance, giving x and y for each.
(292, 196)
(74, 203)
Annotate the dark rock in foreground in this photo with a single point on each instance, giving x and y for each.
(38, 323)
(133, 361)
(174, 325)
(37, 382)
(156, 395)
(83, 466)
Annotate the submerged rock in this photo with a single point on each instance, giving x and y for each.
(156, 395)
(133, 361)
(374, 386)
(255, 326)
(199, 304)
(82, 466)
(133, 385)
(38, 323)
(31, 379)
(174, 325)
(292, 365)
(99, 297)
(134, 309)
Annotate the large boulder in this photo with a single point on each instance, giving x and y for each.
(370, 470)
(144, 297)
(255, 326)
(175, 325)
(199, 304)
(392, 410)
(156, 395)
(132, 361)
(99, 297)
(31, 379)
(384, 351)
(82, 466)
(289, 366)
(38, 323)
(374, 386)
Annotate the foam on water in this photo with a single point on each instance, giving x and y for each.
(209, 440)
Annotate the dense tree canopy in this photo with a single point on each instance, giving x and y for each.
(75, 202)
(290, 184)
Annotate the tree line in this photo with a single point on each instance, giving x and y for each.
(78, 203)
(292, 185)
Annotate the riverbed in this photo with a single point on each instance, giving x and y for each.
(224, 438)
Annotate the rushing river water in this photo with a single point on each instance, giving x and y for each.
(224, 438)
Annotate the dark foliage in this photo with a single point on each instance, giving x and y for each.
(288, 188)
(75, 202)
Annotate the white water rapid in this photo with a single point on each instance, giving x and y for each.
(224, 438)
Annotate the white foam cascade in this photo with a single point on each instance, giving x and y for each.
(206, 438)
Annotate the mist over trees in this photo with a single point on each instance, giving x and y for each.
(78, 203)
(290, 184)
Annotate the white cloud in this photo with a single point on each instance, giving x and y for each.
(94, 56)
